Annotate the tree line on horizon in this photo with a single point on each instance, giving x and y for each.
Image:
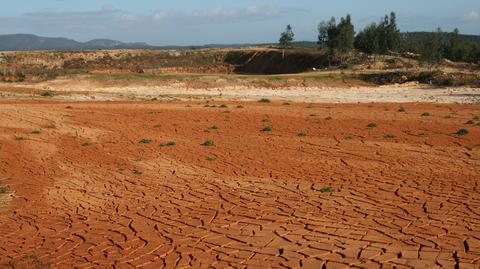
(385, 37)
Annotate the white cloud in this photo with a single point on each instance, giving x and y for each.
(163, 25)
(472, 16)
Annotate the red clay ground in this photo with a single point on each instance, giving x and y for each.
(88, 194)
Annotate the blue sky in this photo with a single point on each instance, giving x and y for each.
(189, 22)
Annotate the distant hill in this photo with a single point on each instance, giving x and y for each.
(26, 42)
(421, 36)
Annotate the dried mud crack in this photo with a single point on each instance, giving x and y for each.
(87, 194)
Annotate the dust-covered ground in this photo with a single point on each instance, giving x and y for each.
(245, 90)
(151, 184)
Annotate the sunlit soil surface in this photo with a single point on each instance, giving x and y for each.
(257, 185)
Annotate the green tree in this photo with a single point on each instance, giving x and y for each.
(455, 50)
(432, 47)
(335, 36)
(286, 38)
(367, 40)
(322, 33)
(393, 35)
(382, 37)
(332, 33)
(346, 34)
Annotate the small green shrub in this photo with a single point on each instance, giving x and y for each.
(372, 125)
(168, 144)
(348, 138)
(145, 141)
(326, 190)
(86, 144)
(239, 106)
(302, 134)
(265, 120)
(208, 143)
(47, 94)
(426, 114)
(462, 132)
(20, 138)
(328, 118)
(36, 132)
(264, 100)
(3, 189)
(223, 106)
(402, 109)
(470, 122)
(390, 136)
(214, 127)
(137, 172)
(267, 129)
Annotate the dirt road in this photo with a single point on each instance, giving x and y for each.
(98, 185)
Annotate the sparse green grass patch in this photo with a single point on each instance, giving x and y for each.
(37, 263)
(168, 144)
(47, 94)
(208, 143)
(326, 190)
(462, 132)
(145, 141)
(3, 189)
